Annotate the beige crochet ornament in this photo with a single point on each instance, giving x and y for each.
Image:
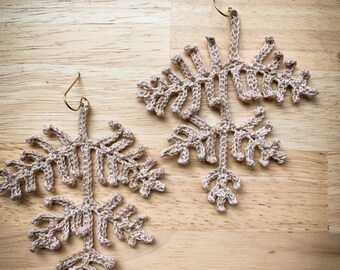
(78, 218)
(204, 137)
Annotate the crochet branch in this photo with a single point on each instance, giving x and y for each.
(78, 219)
(177, 88)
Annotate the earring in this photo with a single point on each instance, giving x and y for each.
(78, 219)
(206, 138)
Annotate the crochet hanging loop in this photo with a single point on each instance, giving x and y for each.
(83, 100)
(231, 12)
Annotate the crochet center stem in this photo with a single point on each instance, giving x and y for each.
(88, 196)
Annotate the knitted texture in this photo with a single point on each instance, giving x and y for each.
(206, 138)
(78, 219)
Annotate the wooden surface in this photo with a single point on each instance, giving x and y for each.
(288, 216)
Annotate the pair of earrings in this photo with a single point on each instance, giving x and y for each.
(123, 167)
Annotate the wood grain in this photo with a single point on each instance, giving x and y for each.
(288, 216)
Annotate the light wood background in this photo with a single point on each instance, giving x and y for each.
(288, 216)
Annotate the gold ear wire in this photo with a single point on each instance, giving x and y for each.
(82, 98)
(230, 12)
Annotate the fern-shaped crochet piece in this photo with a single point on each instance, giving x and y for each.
(78, 219)
(176, 89)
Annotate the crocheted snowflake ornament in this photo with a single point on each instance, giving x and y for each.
(203, 137)
(78, 219)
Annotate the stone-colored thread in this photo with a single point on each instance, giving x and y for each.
(160, 90)
(78, 219)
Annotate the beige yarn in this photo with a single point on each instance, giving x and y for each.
(78, 219)
(159, 91)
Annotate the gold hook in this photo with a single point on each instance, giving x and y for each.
(82, 98)
(231, 11)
